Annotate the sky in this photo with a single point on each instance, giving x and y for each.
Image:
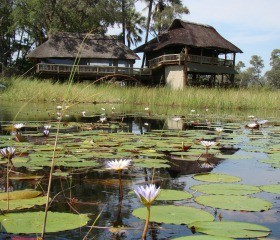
(251, 25)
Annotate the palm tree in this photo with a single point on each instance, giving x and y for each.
(134, 25)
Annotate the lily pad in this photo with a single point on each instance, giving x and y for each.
(275, 188)
(226, 189)
(31, 222)
(239, 203)
(174, 214)
(172, 195)
(231, 229)
(20, 194)
(202, 237)
(22, 203)
(216, 177)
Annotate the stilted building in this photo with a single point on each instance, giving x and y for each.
(190, 54)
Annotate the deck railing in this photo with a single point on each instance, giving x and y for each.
(87, 69)
(179, 58)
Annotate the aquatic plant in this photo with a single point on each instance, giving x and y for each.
(207, 145)
(147, 195)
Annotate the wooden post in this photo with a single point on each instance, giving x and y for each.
(185, 80)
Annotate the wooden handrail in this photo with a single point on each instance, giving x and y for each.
(83, 69)
(177, 58)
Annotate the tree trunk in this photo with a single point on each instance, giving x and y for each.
(147, 29)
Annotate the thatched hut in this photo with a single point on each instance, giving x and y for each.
(190, 53)
(92, 54)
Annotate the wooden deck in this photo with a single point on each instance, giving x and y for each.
(180, 58)
(87, 70)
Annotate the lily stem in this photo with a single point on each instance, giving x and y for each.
(120, 185)
(144, 234)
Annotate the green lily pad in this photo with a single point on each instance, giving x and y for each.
(202, 237)
(22, 203)
(226, 189)
(31, 222)
(173, 214)
(216, 177)
(172, 195)
(275, 188)
(239, 203)
(20, 194)
(231, 229)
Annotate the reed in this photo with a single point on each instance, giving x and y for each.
(22, 89)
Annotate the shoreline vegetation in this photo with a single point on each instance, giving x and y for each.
(37, 90)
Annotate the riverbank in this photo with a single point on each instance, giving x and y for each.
(35, 90)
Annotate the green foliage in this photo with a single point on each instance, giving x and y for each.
(48, 91)
(174, 214)
(31, 222)
(230, 202)
(273, 76)
(231, 229)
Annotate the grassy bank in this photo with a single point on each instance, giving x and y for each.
(22, 89)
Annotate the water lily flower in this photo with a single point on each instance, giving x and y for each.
(208, 144)
(118, 165)
(102, 119)
(47, 127)
(147, 194)
(219, 129)
(8, 152)
(18, 126)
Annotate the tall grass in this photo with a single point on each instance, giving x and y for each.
(23, 89)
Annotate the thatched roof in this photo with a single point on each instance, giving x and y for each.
(67, 45)
(190, 34)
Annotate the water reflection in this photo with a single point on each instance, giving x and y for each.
(92, 190)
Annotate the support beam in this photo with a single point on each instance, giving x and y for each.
(185, 80)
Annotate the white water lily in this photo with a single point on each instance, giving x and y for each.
(8, 152)
(47, 127)
(118, 165)
(219, 129)
(252, 125)
(208, 144)
(147, 194)
(102, 119)
(18, 126)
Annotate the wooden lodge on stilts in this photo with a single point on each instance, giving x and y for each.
(190, 54)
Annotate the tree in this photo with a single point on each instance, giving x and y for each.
(165, 13)
(256, 69)
(273, 76)
(134, 25)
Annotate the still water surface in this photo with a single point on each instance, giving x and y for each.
(94, 190)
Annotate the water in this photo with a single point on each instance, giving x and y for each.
(94, 191)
